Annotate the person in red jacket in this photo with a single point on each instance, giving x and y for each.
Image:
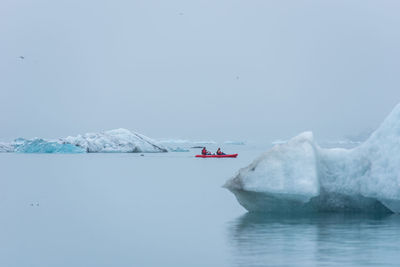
(205, 152)
(219, 152)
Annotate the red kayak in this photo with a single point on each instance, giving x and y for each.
(217, 156)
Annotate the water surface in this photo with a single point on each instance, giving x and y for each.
(165, 210)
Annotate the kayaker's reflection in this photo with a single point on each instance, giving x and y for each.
(205, 152)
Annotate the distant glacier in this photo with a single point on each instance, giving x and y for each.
(118, 140)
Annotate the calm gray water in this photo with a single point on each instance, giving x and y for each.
(165, 210)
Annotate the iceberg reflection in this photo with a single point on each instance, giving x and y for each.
(324, 239)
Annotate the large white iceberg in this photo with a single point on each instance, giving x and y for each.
(118, 140)
(300, 176)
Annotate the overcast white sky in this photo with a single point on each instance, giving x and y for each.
(239, 69)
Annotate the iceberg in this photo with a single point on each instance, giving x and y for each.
(38, 145)
(340, 144)
(183, 145)
(6, 147)
(118, 140)
(238, 143)
(300, 176)
(278, 142)
(174, 141)
(178, 149)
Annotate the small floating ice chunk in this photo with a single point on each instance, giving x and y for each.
(178, 149)
(238, 143)
(174, 141)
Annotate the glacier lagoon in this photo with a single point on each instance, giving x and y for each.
(166, 209)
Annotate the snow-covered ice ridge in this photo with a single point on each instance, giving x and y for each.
(118, 140)
(300, 176)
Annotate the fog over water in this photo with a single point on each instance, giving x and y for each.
(197, 69)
